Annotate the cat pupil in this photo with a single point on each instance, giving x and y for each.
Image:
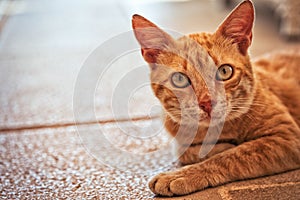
(180, 78)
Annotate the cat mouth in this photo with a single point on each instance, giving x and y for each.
(214, 116)
(194, 115)
(206, 119)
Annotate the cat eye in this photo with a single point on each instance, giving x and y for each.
(180, 80)
(224, 72)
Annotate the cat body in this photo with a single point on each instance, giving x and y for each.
(208, 85)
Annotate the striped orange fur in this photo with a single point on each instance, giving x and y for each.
(260, 102)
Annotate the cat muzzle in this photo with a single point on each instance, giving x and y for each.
(207, 106)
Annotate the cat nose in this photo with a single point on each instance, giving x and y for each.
(207, 105)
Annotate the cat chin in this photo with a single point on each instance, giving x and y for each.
(204, 121)
(208, 122)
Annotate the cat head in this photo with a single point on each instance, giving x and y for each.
(201, 76)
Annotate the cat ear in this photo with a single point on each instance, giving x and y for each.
(151, 38)
(238, 26)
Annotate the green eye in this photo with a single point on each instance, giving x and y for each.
(180, 80)
(224, 72)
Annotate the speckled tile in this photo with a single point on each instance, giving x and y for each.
(53, 163)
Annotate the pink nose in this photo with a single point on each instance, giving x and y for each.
(207, 106)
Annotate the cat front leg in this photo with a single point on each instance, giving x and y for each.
(191, 154)
(263, 156)
(180, 182)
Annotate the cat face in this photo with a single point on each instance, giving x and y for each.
(201, 77)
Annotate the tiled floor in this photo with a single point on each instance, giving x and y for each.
(55, 73)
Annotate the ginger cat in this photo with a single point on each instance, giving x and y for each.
(207, 81)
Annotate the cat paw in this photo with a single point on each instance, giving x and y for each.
(175, 183)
